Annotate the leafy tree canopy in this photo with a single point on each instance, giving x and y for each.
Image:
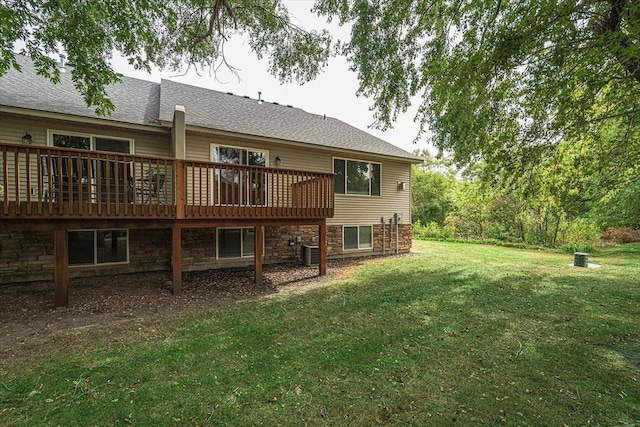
(165, 33)
(500, 80)
(431, 185)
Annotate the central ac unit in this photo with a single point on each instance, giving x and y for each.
(310, 255)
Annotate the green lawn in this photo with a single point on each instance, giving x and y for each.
(458, 334)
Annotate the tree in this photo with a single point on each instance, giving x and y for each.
(163, 33)
(470, 216)
(432, 184)
(501, 81)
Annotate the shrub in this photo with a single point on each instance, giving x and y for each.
(582, 230)
(621, 235)
(577, 247)
(430, 231)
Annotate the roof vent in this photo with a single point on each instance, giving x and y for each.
(259, 97)
(324, 116)
(229, 93)
(275, 103)
(290, 106)
(61, 64)
(246, 97)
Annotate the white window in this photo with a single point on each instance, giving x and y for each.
(357, 177)
(90, 142)
(239, 155)
(93, 247)
(236, 242)
(239, 186)
(357, 237)
(100, 180)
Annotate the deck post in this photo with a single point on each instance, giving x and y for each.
(176, 258)
(322, 248)
(180, 189)
(257, 252)
(61, 254)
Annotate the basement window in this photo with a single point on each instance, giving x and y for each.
(236, 242)
(93, 247)
(357, 237)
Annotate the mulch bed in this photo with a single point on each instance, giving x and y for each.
(121, 304)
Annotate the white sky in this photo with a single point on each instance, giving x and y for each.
(332, 93)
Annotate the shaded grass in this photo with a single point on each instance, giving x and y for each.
(459, 334)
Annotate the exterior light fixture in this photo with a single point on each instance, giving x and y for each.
(401, 185)
(27, 138)
(278, 160)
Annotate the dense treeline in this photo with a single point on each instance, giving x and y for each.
(569, 197)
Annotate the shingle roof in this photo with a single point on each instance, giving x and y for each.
(143, 102)
(218, 110)
(136, 101)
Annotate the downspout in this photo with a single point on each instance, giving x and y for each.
(397, 251)
(391, 235)
(384, 237)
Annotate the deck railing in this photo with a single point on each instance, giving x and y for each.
(41, 182)
(240, 191)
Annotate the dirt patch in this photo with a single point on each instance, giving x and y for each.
(118, 308)
(630, 351)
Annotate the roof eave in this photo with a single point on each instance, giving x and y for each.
(151, 127)
(203, 129)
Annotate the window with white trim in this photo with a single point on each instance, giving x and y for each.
(357, 177)
(102, 180)
(93, 247)
(90, 142)
(236, 242)
(239, 155)
(231, 186)
(357, 237)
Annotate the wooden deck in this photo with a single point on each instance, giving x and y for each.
(61, 183)
(57, 189)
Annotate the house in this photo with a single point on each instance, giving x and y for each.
(182, 178)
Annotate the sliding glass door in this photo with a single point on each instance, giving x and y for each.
(239, 186)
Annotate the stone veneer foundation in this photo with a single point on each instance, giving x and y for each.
(28, 255)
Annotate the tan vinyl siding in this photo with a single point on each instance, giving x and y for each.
(152, 144)
(12, 127)
(198, 147)
(292, 157)
(349, 209)
(296, 157)
(301, 158)
(365, 210)
(23, 171)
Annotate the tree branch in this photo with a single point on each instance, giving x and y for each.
(609, 26)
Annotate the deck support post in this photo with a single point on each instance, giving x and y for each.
(257, 252)
(180, 191)
(176, 259)
(322, 248)
(61, 254)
